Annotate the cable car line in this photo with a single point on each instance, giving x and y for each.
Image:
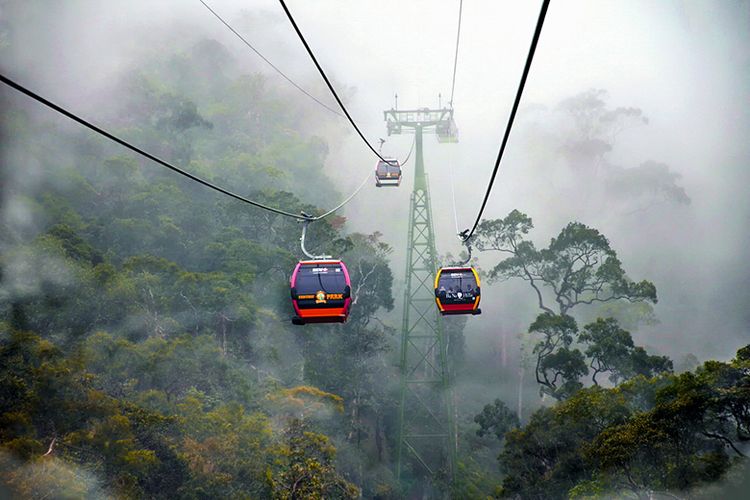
(453, 88)
(456, 288)
(455, 59)
(269, 62)
(304, 217)
(521, 85)
(367, 178)
(408, 155)
(328, 82)
(453, 189)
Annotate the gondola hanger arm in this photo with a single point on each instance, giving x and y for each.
(466, 240)
(306, 222)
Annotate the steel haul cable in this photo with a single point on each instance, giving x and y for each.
(20, 88)
(328, 82)
(521, 85)
(455, 59)
(408, 155)
(453, 188)
(269, 62)
(453, 88)
(364, 181)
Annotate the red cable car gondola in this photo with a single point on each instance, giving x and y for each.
(321, 292)
(457, 290)
(388, 173)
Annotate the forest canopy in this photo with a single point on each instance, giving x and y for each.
(146, 348)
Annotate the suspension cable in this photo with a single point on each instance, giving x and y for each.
(304, 217)
(522, 84)
(453, 88)
(272, 65)
(328, 82)
(455, 60)
(453, 188)
(364, 181)
(408, 155)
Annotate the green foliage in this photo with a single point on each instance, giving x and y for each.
(45, 477)
(496, 418)
(667, 433)
(147, 352)
(348, 360)
(472, 481)
(159, 310)
(305, 469)
(51, 406)
(578, 267)
(150, 434)
(227, 450)
(611, 349)
(567, 364)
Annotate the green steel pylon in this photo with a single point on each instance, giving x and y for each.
(426, 435)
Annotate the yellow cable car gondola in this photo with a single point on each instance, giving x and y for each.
(457, 290)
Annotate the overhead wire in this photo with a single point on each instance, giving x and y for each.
(364, 181)
(455, 59)
(272, 65)
(453, 87)
(408, 155)
(122, 142)
(328, 82)
(453, 188)
(20, 88)
(509, 126)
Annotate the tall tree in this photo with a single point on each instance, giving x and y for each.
(306, 469)
(611, 349)
(578, 267)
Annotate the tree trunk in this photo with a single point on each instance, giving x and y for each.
(504, 349)
(223, 323)
(18, 319)
(521, 372)
(378, 438)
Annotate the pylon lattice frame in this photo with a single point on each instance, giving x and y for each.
(426, 431)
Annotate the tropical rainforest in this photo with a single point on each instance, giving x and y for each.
(145, 343)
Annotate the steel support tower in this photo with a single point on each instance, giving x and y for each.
(426, 431)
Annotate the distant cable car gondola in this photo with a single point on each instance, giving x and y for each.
(388, 173)
(321, 292)
(457, 290)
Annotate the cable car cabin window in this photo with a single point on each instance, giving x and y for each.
(316, 278)
(385, 168)
(457, 286)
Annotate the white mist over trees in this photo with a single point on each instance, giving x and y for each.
(144, 336)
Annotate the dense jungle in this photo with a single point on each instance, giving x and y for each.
(146, 347)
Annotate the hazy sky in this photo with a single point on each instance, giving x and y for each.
(686, 64)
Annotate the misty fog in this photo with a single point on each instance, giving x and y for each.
(668, 188)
